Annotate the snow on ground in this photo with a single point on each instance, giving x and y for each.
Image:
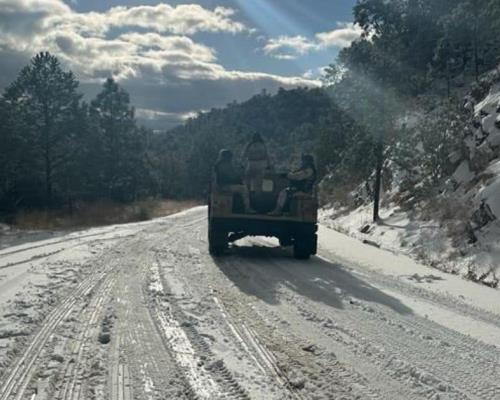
(38, 269)
(488, 135)
(428, 242)
(143, 311)
(397, 232)
(421, 277)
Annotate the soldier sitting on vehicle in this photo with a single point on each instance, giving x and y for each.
(301, 181)
(227, 177)
(256, 161)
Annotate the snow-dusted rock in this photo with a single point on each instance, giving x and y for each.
(482, 157)
(4, 228)
(491, 196)
(463, 173)
(488, 111)
(491, 102)
(490, 127)
(494, 168)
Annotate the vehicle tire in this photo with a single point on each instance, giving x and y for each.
(217, 239)
(304, 246)
(314, 244)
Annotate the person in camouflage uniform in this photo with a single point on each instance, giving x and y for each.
(256, 159)
(227, 177)
(301, 181)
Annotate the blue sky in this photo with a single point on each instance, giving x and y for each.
(179, 57)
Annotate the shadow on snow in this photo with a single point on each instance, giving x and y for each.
(262, 271)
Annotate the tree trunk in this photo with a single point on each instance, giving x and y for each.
(379, 154)
(47, 160)
(476, 41)
(378, 176)
(48, 178)
(448, 79)
(476, 62)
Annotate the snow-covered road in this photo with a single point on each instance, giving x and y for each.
(141, 311)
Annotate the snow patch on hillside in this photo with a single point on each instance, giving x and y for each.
(429, 242)
(458, 231)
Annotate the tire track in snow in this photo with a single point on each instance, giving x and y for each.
(192, 271)
(75, 369)
(336, 379)
(142, 366)
(19, 376)
(409, 348)
(201, 382)
(15, 383)
(262, 375)
(258, 352)
(40, 256)
(52, 242)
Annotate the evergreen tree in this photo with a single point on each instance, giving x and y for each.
(119, 146)
(44, 100)
(12, 159)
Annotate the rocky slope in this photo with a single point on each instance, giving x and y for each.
(457, 227)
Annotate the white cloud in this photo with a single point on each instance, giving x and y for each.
(147, 56)
(292, 47)
(316, 73)
(34, 6)
(143, 113)
(184, 19)
(340, 37)
(163, 68)
(161, 120)
(288, 47)
(82, 42)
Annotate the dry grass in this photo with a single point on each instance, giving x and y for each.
(99, 214)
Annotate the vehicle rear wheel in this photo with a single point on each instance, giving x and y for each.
(217, 239)
(304, 246)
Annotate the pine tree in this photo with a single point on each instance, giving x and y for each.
(44, 99)
(119, 144)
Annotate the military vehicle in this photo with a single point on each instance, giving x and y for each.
(228, 222)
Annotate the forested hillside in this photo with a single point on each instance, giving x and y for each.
(412, 81)
(291, 122)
